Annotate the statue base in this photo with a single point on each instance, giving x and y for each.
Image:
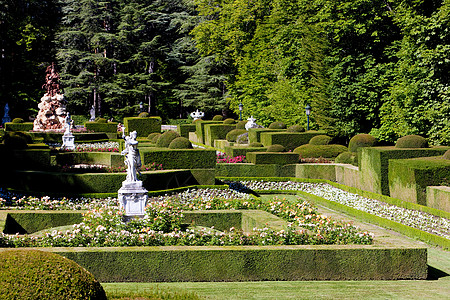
(133, 198)
(68, 142)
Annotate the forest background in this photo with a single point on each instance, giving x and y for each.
(378, 67)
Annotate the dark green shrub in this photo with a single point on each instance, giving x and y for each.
(325, 151)
(165, 138)
(110, 127)
(17, 120)
(412, 141)
(320, 140)
(156, 137)
(296, 128)
(101, 120)
(152, 135)
(277, 125)
(217, 118)
(180, 143)
(347, 158)
(446, 154)
(33, 274)
(242, 138)
(241, 124)
(233, 134)
(17, 139)
(361, 140)
(144, 114)
(276, 148)
(229, 121)
(255, 144)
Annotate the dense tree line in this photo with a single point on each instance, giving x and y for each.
(378, 67)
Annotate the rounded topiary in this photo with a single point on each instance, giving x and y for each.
(101, 120)
(197, 120)
(180, 143)
(155, 137)
(446, 154)
(412, 141)
(144, 114)
(320, 140)
(296, 128)
(241, 124)
(277, 125)
(276, 148)
(361, 140)
(242, 138)
(255, 144)
(165, 138)
(33, 274)
(347, 158)
(229, 121)
(316, 151)
(17, 139)
(152, 135)
(233, 134)
(217, 118)
(17, 120)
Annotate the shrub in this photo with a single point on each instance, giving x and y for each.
(320, 140)
(347, 158)
(255, 144)
(217, 118)
(195, 121)
(101, 120)
(229, 121)
(361, 140)
(296, 128)
(17, 139)
(277, 125)
(276, 148)
(327, 151)
(241, 124)
(180, 143)
(17, 120)
(33, 274)
(412, 141)
(233, 134)
(165, 138)
(144, 114)
(152, 135)
(446, 154)
(156, 137)
(242, 138)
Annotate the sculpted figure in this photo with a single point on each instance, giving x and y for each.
(132, 157)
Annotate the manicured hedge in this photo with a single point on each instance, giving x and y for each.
(32, 221)
(112, 159)
(110, 127)
(272, 158)
(326, 151)
(184, 129)
(55, 137)
(180, 158)
(200, 129)
(439, 197)
(234, 151)
(216, 132)
(316, 171)
(409, 178)
(254, 134)
(222, 144)
(26, 126)
(29, 159)
(290, 140)
(250, 170)
(143, 126)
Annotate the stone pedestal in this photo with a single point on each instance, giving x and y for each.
(68, 141)
(133, 198)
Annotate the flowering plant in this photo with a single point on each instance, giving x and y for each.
(223, 158)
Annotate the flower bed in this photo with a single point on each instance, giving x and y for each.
(96, 147)
(83, 168)
(223, 158)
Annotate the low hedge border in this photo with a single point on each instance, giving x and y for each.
(112, 159)
(254, 134)
(56, 137)
(179, 158)
(143, 126)
(248, 169)
(26, 126)
(290, 140)
(283, 158)
(216, 132)
(234, 151)
(184, 129)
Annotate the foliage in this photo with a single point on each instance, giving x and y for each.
(166, 138)
(255, 144)
(229, 121)
(180, 143)
(143, 114)
(326, 151)
(347, 158)
(223, 158)
(217, 118)
(446, 154)
(361, 140)
(17, 120)
(412, 141)
(295, 128)
(152, 135)
(17, 139)
(277, 125)
(320, 140)
(233, 134)
(241, 124)
(276, 148)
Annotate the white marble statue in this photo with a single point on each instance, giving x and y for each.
(68, 124)
(251, 124)
(132, 157)
(197, 114)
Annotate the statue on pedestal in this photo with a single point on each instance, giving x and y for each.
(132, 156)
(68, 138)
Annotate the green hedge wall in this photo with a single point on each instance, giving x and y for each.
(252, 170)
(32, 221)
(112, 159)
(316, 171)
(290, 140)
(254, 134)
(439, 197)
(54, 137)
(234, 151)
(216, 132)
(250, 263)
(180, 158)
(200, 129)
(110, 127)
(409, 178)
(374, 164)
(28, 159)
(143, 126)
(26, 126)
(222, 144)
(184, 129)
(279, 158)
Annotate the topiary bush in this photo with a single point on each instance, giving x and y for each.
(446, 154)
(156, 137)
(255, 144)
(229, 121)
(233, 134)
(412, 141)
(277, 125)
(296, 128)
(180, 143)
(165, 138)
(17, 120)
(347, 158)
(320, 140)
(241, 124)
(316, 151)
(361, 140)
(144, 114)
(17, 139)
(276, 148)
(242, 138)
(152, 135)
(195, 121)
(33, 274)
(217, 118)
(101, 120)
